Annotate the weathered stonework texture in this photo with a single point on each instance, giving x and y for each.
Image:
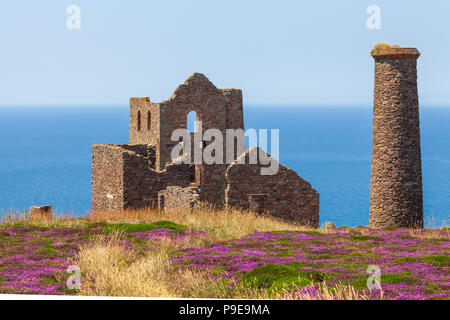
(178, 197)
(124, 176)
(142, 174)
(396, 178)
(283, 195)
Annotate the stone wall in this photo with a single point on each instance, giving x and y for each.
(396, 177)
(107, 177)
(284, 195)
(178, 197)
(142, 183)
(235, 112)
(124, 176)
(144, 121)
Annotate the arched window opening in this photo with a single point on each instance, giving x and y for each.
(149, 120)
(139, 121)
(192, 121)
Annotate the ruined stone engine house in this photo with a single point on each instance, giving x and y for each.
(141, 174)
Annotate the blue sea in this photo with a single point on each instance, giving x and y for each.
(46, 155)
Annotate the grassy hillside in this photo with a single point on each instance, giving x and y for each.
(223, 254)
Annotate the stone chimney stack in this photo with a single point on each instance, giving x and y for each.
(396, 180)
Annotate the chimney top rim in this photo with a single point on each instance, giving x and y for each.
(394, 52)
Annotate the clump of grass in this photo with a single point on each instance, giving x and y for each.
(109, 269)
(383, 48)
(323, 292)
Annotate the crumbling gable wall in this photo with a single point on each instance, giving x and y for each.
(200, 95)
(283, 195)
(154, 123)
(216, 109)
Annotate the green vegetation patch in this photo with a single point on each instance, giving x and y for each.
(403, 260)
(442, 260)
(4, 234)
(361, 237)
(394, 278)
(97, 224)
(140, 227)
(47, 251)
(348, 264)
(285, 253)
(405, 277)
(276, 276)
(278, 232)
(312, 233)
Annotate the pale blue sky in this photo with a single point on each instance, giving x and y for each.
(279, 52)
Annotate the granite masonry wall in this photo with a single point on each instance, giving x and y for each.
(124, 176)
(396, 179)
(107, 177)
(144, 124)
(178, 197)
(284, 195)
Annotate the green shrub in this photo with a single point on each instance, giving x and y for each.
(276, 276)
(140, 227)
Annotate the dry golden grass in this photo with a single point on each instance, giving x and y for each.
(110, 270)
(337, 292)
(429, 234)
(383, 47)
(221, 224)
(58, 219)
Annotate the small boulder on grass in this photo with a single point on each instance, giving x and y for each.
(38, 213)
(330, 225)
